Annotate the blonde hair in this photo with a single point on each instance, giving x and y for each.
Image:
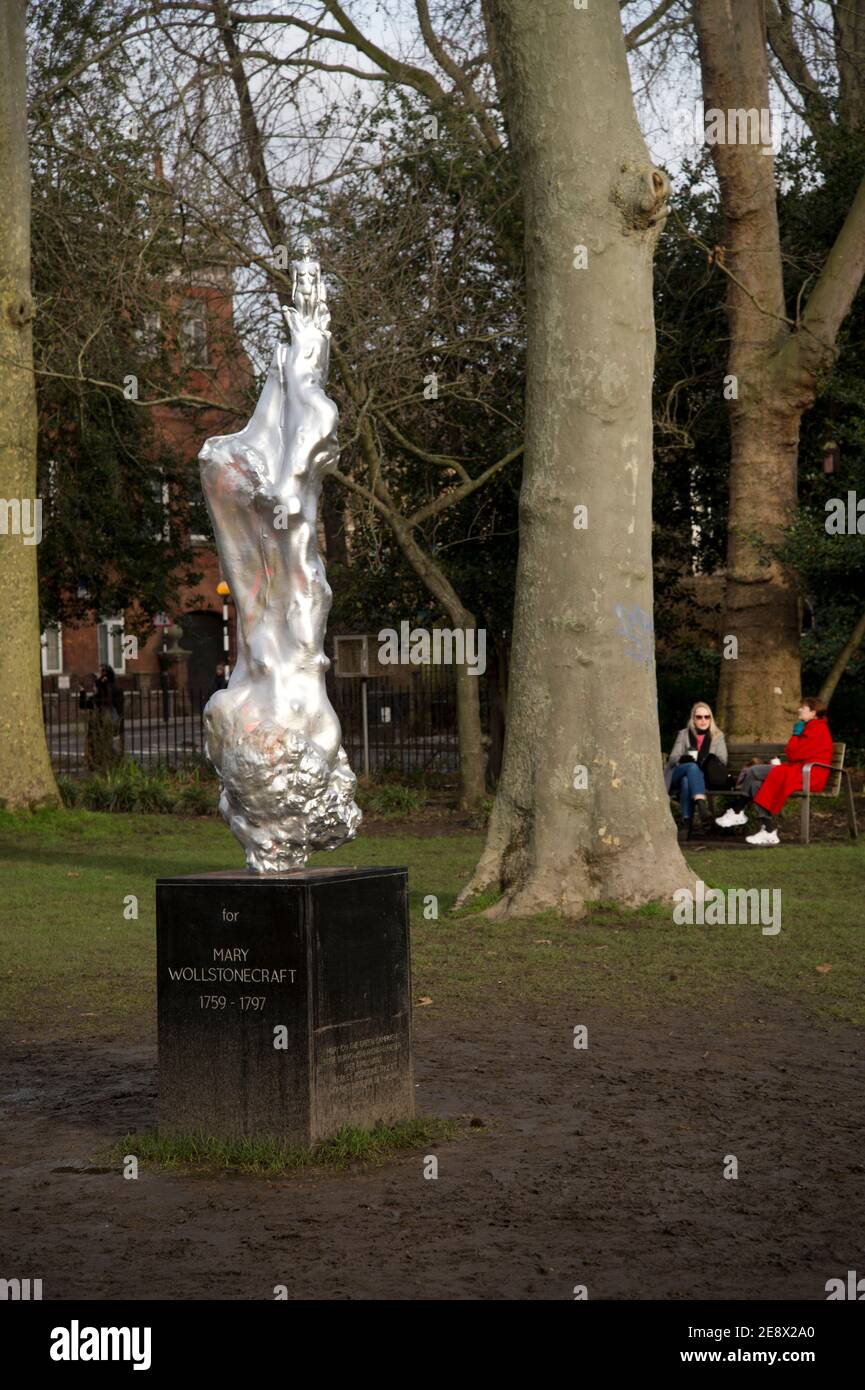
(714, 731)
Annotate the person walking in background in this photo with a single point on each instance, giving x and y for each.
(770, 784)
(109, 696)
(220, 680)
(104, 707)
(698, 760)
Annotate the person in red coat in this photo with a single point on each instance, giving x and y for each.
(811, 743)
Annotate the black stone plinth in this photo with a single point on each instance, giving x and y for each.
(283, 1002)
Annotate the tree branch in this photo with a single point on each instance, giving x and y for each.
(782, 40)
(740, 285)
(405, 73)
(843, 659)
(270, 214)
(832, 297)
(200, 402)
(440, 460)
(645, 24)
(458, 494)
(457, 76)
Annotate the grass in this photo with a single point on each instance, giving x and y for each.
(269, 1157)
(75, 962)
(637, 961)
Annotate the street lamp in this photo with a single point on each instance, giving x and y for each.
(223, 590)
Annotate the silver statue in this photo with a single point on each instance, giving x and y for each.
(273, 735)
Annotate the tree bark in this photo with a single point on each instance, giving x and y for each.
(759, 688)
(582, 684)
(843, 659)
(497, 696)
(848, 19)
(26, 776)
(776, 363)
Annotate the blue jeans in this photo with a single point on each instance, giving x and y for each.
(690, 782)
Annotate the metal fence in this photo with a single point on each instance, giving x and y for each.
(159, 728)
(391, 727)
(386, 726)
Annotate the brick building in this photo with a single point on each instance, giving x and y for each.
(213, 364)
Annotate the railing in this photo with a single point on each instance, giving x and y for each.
(159, 728)
(410, 728)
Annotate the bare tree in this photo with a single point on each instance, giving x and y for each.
(382, 446)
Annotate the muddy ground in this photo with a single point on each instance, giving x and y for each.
(601, 1167)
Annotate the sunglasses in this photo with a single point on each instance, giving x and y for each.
(702, 716)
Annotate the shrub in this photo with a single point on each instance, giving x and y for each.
(198, 797)
(130, 787)
(391, 799)
(479, 819)
(69, 790)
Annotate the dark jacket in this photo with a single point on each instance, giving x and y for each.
(712, 759)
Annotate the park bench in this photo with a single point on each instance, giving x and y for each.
(739, 755)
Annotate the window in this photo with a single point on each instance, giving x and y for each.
(193, 332)
(52, 651)
(198, 522)
(159, 491)
(351, 656)
(148, 334)
(110, 636)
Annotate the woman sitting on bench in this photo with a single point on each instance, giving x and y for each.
(698, 761)
(768, 785)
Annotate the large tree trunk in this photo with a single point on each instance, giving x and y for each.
(776, 365)
(26, 778)
(582, 685)
(759, 688)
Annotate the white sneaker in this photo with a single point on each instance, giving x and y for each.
(731, 817)
(763, 837)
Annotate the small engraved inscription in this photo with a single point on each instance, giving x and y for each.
(361, 1060)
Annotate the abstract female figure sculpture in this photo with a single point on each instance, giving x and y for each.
(273, 735)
